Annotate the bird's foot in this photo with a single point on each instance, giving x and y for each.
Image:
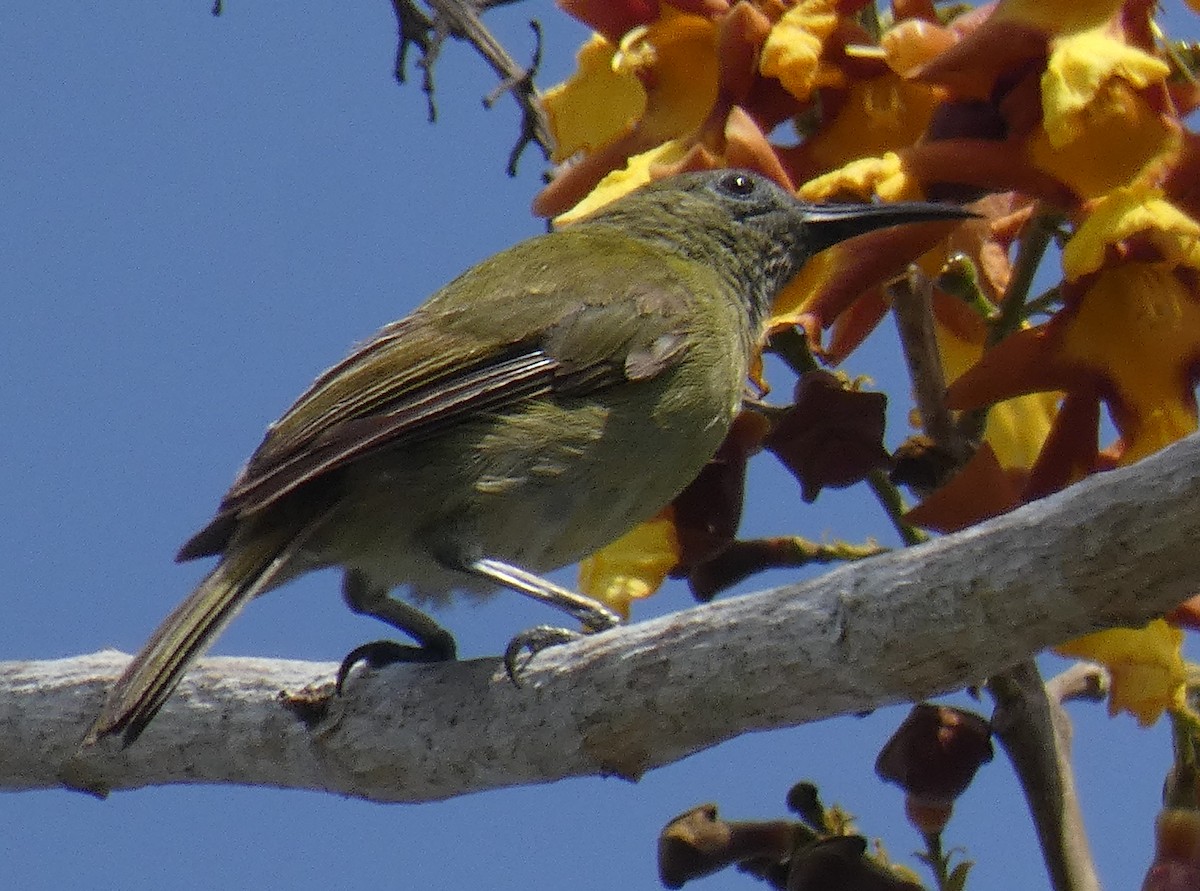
(522, 648)
(381, 653)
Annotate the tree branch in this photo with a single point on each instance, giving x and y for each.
(1115, 549)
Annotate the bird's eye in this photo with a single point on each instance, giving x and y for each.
(737, 185)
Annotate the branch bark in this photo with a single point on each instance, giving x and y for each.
(1116, 549)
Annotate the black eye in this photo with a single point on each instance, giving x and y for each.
(738, 185)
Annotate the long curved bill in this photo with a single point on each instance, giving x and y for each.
(829, 224)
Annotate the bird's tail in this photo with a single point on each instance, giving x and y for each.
(247, 569)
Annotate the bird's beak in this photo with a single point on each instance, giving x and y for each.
(828, 224)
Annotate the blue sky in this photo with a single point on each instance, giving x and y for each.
(198, 216)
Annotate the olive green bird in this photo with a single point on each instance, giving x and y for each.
(532, 411)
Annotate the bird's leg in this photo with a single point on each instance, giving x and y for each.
(434, 643)
(593, 614)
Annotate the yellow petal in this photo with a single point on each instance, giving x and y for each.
(1016, 428)
(1136, 210)
(884, 176)
(1119, 134)
(876, 115)
(792, 50)
(675, 58)
(1146, 665)
(1079, 65)
(1138, 326)
(634, 175)
(632, 567)
(595, 105)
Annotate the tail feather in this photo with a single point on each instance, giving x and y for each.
(247, 570)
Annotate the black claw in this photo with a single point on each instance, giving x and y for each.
(381, 653)
(531, 643)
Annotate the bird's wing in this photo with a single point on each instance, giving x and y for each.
(435, 369)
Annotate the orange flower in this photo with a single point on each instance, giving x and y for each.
(596, 104)
(659, 84)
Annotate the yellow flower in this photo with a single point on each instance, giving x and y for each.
(1139, 322)
(675, 58)
(1120, 135)
(1147, 669)
(884, 176)
(1138, 328)
(1079, 67)
(595, 105)
(1098, 130)
(633, 175)
(876, 115)
(659, 83)
(792, 51)
(1016, 428)
(1136, 210)
(632, 567)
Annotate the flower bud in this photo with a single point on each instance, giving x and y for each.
(698, 843)
(1176, 864)
(933, 756)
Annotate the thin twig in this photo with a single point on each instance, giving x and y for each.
(460, 19)
(460, 16)
(912, 307)
(1032, 250)
(889, 497)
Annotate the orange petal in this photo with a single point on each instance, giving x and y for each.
(746, 147)
(1071, 450)
(1025, 362)
(739, 42)
(980, 491)
(612, 18)
(1186, 615)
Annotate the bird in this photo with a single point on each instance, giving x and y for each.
(530, 412)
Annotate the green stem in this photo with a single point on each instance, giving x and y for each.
(1044, 302)
(893, 505)
(937, 860)
(1029, 257)
(791, 345)
(1012, 310)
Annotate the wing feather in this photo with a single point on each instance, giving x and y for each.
(444, 365)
